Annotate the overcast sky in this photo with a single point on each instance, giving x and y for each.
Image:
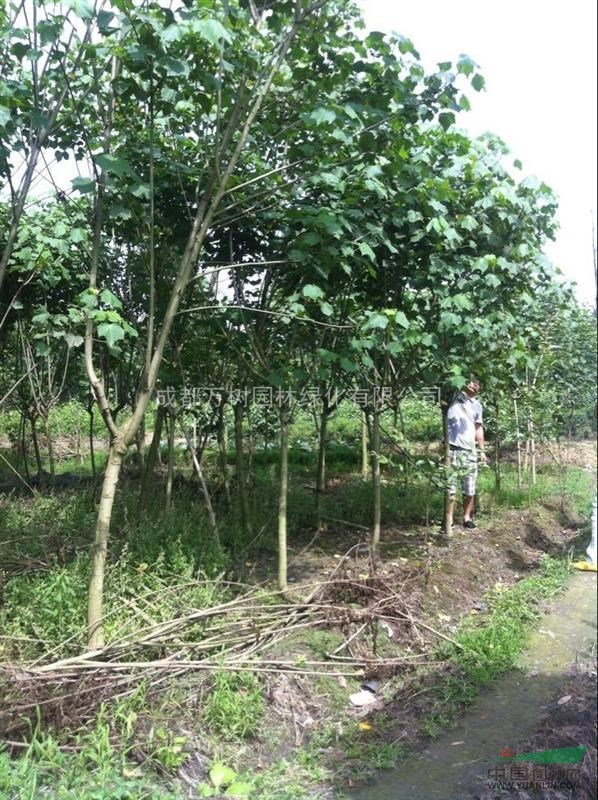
(539, 61)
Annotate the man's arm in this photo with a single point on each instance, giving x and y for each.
(479, 438)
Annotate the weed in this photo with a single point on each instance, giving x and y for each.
(234, 705)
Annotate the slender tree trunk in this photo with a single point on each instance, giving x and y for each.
(23, 440)
(151, 458)
(532, 447)
(283, 498)
(38, 458)
(497, 444)
(375, 452)
(170, 472)
(223, 455)
(446, 458)
(91, 447)
(364, 447)
(518, 441)
(240, 470)
(204, 486)
(100, 549)
(140, 445)
(321, 470)
(50, 450)
(266, 435)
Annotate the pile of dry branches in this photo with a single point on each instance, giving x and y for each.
(254, 631)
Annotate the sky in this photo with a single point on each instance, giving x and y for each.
(539, 61)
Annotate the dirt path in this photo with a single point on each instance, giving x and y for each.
(455, 766)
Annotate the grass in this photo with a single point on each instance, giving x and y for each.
(487, 647)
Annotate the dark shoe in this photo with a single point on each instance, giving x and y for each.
(470, 525)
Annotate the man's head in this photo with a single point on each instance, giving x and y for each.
(473, 387)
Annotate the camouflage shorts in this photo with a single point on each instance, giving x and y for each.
(464, 467)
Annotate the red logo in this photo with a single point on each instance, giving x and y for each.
(506, 752)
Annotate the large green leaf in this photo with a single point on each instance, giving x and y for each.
(212, 30)
(110, 163)
(312, 291)
(83, 184)
(111, 332)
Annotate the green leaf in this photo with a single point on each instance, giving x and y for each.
(466, 65)
(446, 119)
(82, 8)
(174, 66)
(347, 365)
(78, 235)
(110, 299)
(108, 163)
(366, 250)
(478, 82)
(326, 309)
(377, 321)
(104, 20)
(83, 184)
(73, 340)
(211, 30)
(312, 291)
(238, 789)
(221, 775)
(401, 319)
(4, 115)
(111, 332)
(322, 115)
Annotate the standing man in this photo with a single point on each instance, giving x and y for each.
(465, 431)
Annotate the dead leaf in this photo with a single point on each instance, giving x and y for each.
(564, 699)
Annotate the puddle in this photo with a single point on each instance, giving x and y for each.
(458, 762)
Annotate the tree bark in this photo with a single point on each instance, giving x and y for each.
(364, 447)
(240, 470)
(446, 526)
(321, 469)
(100, 549)
(375, 451)
(50, 450)
(140, 444)
(151, 458)
(518, 441)
(170, 472)
(38, 458)
(497, 445)
(283, 499)
(223, 455)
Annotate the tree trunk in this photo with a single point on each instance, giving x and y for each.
(497, 443)
(151, 458)
(282, 499)
(532, 448)
(100, 549)
(170, 472)
(223, 455)
(23, 446)
(140, 445)
(240, 470)
(518, 441)
(204, 486)
(38, 458)
(364, 447)
(446, 526)
(321, 471)
(375, 452)
(50, 450)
